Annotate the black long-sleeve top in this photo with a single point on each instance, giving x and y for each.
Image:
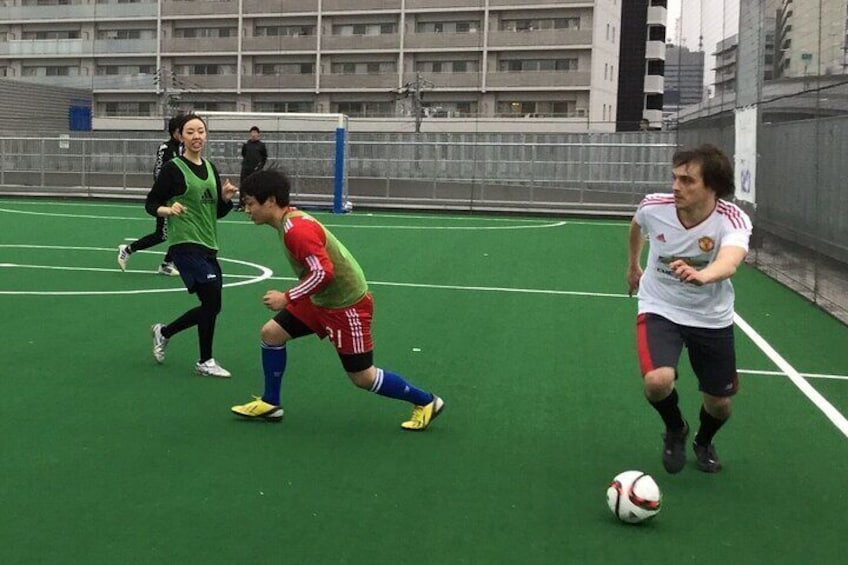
(254, 156)
(167, 151)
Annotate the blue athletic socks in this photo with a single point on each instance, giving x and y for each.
(393, 385)
(274, 365)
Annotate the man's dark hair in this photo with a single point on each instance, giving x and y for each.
(189, 117)
(175, 123)
(716, 169)
(261, 185)
(256, 129)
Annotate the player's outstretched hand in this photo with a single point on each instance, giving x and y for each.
(275, 300)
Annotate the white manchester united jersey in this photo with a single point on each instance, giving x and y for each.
(660, 292)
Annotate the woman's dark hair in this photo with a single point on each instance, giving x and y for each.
(189, 117)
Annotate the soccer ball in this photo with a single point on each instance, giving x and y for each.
(633, 496)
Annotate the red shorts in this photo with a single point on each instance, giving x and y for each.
(349, 329)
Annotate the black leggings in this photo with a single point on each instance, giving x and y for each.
(151, 239)
(202, 316)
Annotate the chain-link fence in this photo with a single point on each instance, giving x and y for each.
(775, 93)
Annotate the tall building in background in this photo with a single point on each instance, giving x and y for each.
(642, 65)
(724, 83)
(557, 58)
(684, 77)
(811, 38)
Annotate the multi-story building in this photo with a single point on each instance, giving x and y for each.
(684, 77)
(812, 38)
(642, 65)
(492, 58)
(725, 67)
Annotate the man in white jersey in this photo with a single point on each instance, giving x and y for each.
(697, 241)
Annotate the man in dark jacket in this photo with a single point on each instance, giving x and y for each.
(254, 155)
(167, 151)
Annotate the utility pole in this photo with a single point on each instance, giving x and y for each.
(414, 89)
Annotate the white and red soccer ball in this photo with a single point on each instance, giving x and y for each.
(634, 496)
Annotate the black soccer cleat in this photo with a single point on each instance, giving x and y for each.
(674, 449)
(706, 458)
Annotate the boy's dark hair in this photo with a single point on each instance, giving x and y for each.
(256, 129)
(263, 184)
(716, 169)
(175, 123)
(189, 117)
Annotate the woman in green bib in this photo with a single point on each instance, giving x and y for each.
(189, 194)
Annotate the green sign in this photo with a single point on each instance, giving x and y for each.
(806, 56)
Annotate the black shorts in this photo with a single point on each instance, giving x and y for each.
(197, 269)
(712, 352)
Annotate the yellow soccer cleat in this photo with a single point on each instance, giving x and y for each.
(258, 409)
(423, 415)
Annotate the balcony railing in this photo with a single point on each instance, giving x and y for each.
(447, 80)
(182, 45)
(537, 79)
(654, 84)
(77, 12)
(655, 50)
(545, 37)
(657, 15)
(212, 82)
(442, 41)
(280, 43)
(359, 5)
(360, 42)
(252, 7)
(279, 82)
(195, 8)
(358, 81)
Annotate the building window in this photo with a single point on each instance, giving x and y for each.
(536, 108)
(363, 109)
(273, 69)
(129, 108)
(365, 29)
(463, 26)
(205, 33)
(536, 65)
(282, 107)
(126, 34)
(364, 68)
(284, 31)
(537, 24)
(51, 35)
(207, 69)
(213, 106)
(447, 66)
(111, 70)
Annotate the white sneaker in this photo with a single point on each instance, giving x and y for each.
(168, 269)
(160, 342)
(123, 256)
(210, 368)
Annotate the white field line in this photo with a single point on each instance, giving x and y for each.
(806, 389)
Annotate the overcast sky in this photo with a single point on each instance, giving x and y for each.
(714, 19)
